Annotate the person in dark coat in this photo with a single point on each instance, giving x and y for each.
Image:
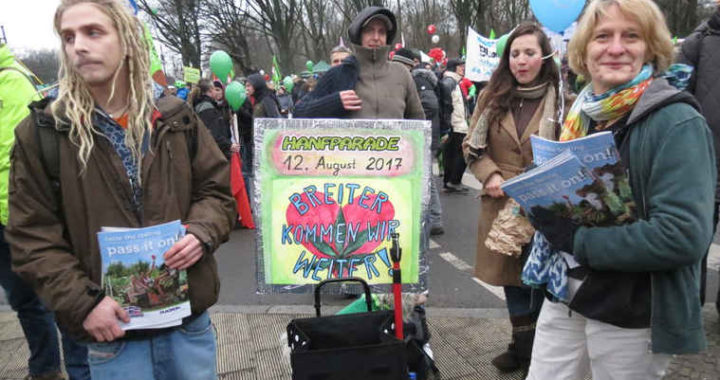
(699, 50)
(285, 101)
(325, 100)
(212, 116)
(223, 106)
(426, 85)
(264, 101)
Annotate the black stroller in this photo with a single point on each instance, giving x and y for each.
(356, 346)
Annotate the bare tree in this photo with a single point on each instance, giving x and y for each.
(177, 24)
(681, 15)
(466, 14)
(421, 13)
(227, 28)
(277, 20)
(43, 63)
(350, 8)
(322, 29)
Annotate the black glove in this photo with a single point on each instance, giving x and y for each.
(558, 230)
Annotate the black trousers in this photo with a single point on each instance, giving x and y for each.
(453, 161)
(703, 266)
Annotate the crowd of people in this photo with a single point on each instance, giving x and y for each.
(636, 289)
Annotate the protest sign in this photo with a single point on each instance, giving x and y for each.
(481, 58)
(191, 74)
(329, 194)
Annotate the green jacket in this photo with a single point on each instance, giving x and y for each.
(672, 174)
(16, 93)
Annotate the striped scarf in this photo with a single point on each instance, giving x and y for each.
(610, 105)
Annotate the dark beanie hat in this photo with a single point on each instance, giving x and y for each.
(405, 56)
(454, 63)
(257, 81)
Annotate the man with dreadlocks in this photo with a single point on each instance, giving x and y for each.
(121, 161)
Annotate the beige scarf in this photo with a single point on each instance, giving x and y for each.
(477, 140)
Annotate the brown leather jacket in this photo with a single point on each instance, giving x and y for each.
(54, 244)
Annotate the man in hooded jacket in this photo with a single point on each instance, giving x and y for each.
(366, 85)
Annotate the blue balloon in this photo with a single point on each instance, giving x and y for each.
(557, 15)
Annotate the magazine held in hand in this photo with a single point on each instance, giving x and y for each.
(135, 275)
(580, 179)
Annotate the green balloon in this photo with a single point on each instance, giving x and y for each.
(288, 83)
(310, 65)
(500, 44)
(221, 64)
(235, 95)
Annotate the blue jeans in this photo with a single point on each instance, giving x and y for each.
(435, 205)
(38, 325)
(36, 321)
(183, 353)
(523, 300)
(76, 359)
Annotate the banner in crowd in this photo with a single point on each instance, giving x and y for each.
(191, 75)
(330, 193)
(481, 58)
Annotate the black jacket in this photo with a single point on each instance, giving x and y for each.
(266, 103)
(212, 116)
(426, 84)
(245, 122)
(324, 100)
(446, 86)
(700, 50)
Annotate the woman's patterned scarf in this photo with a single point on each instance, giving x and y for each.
(610, 105)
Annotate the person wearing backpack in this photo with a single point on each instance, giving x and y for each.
(426, 84)
(453, 120)
(700, 50)
(213, 116)
(122, 161)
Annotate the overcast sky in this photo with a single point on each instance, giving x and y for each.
(28, 23)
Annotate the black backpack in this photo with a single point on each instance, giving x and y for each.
(172, 109)
(445, 88)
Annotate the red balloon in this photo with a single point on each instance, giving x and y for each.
(267, 77)
(431, 29)
(398, 46)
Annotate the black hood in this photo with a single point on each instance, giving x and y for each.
(355, 29)
(257, 81)
(425, 74)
